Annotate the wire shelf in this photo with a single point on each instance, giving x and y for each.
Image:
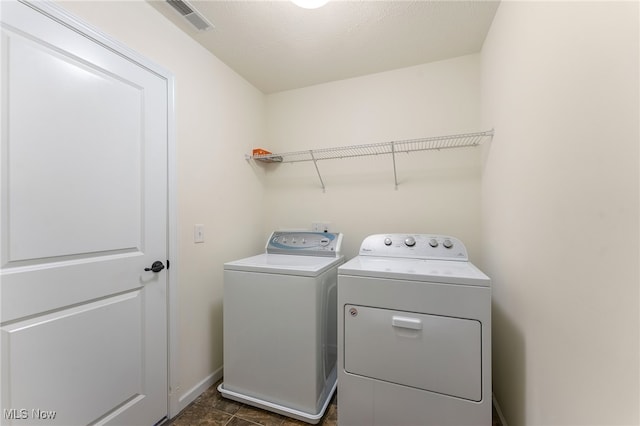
(393, 147)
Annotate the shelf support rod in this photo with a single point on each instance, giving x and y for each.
(315, 163)
(393, 155)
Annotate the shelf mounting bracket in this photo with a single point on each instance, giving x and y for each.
(315, 163)
(393, 155)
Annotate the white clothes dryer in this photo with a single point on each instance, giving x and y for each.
(280, 326)
(414, 334)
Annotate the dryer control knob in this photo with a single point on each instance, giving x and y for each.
(447, 244)
(410, 241)
(387, 241)
(433, 243)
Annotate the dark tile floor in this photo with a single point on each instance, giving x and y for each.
(211, 409)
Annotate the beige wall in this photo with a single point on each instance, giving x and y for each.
(560, 211)
(438, 192)
(219, 118)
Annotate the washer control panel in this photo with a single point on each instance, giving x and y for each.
(416, 246)
(306, 243)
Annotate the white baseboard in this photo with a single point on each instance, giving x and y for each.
(189, 396)
(498, 410)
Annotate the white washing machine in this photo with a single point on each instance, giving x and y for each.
(414, 334)
(280, 329)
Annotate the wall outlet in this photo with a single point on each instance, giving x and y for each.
(320, 227)
(198, 233)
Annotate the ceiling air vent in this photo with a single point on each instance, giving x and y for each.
(189, 13)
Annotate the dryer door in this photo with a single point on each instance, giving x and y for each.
(429, 352)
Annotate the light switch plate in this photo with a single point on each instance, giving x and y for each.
(198, 233)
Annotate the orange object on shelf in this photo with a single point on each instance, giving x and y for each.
(260, 151)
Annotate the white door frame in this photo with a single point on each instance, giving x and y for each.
(64, 17)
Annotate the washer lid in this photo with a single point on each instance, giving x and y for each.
(437, 271)
(285, 264)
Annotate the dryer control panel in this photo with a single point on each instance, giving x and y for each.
(415, 246)
(305, 243)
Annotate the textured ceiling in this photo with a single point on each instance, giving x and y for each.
(278, 46)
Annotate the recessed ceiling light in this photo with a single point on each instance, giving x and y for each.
(310, 4)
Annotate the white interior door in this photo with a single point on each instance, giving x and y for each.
(84, 211)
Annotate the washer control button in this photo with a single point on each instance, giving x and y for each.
(433, 243)
(387, 241)
(447, 244)
(410, 241)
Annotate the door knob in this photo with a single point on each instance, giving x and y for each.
(157, 266)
